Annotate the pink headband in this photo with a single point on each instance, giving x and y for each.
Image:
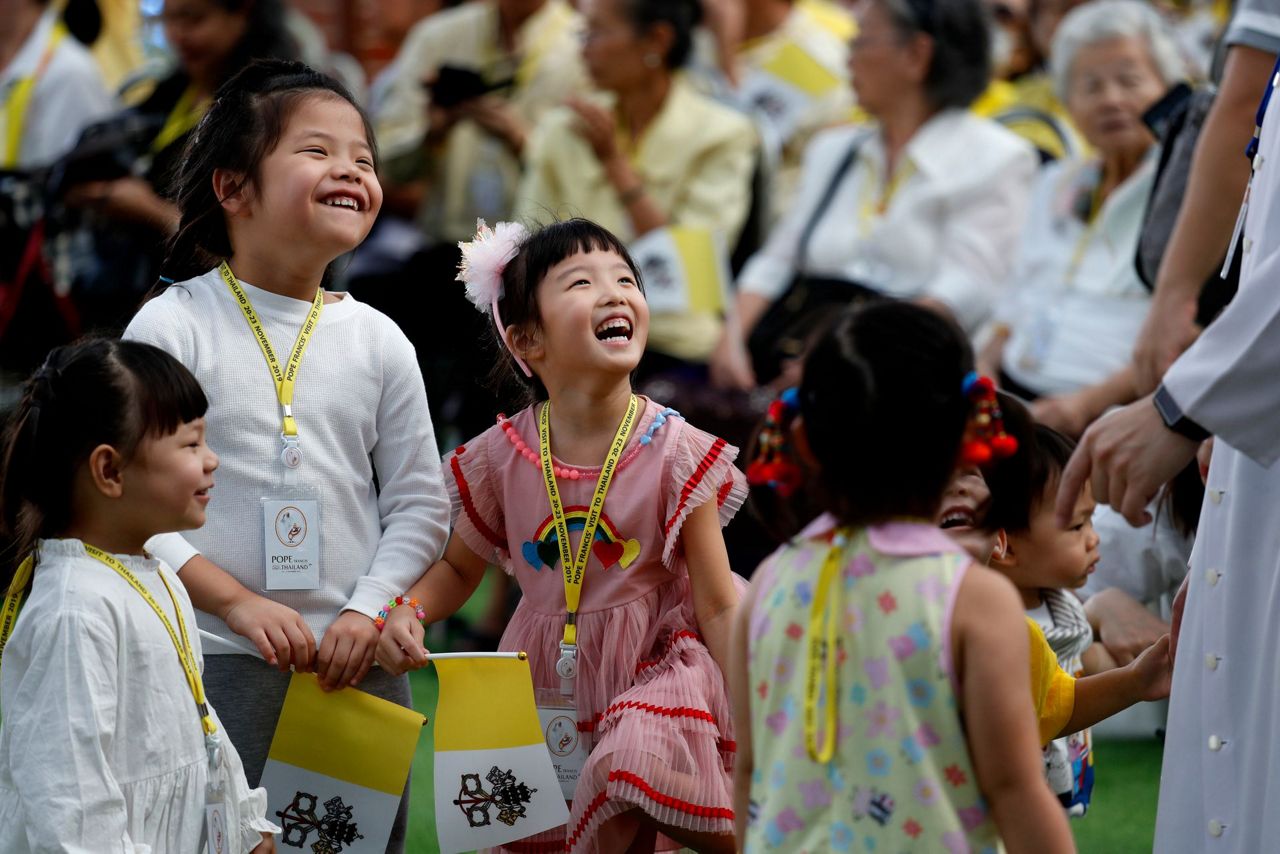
(483, 260)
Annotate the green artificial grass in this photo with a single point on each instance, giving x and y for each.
(1122, 817)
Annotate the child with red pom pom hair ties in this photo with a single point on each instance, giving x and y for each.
(880, 676)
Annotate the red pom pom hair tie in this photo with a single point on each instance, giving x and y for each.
(381, 619)
(984, 436)
(772, 466)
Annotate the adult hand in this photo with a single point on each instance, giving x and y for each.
(730, 364)
(1125, 626)
(346, 651)
(1066, 413)
(595, 124)
(279, 632)
(1175, 623)
(1128, 455)
(499, 118)
(1170, 328)
(123, 198)
(400, 648)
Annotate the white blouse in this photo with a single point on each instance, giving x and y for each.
(948, 229)
(101, 747)
(1075, 302)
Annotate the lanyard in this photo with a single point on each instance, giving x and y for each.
(822, 646)
(1251, 152)
(20, 99)
(183, 647)
(284, 379)
(186, 655)
(872, 208)
(185, 115)
(575, 567)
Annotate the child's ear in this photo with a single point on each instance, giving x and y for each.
(232, 191)
(526, 343)
(1002, 556)
(106, 468)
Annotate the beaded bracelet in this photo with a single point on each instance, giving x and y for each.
(381, 619)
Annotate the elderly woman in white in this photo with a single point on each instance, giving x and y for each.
(931, 204)
(1074, 303)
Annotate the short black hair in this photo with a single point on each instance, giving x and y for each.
(884, 410)
(544, 247)
(96, 392)
(683, 16)
(961, 67)
(1018, 483)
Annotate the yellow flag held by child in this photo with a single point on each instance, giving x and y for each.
(337, 767)
(494, 779)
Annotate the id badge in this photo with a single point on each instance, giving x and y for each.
(217, 836)
(1039, 342)
(566, 744)
(291, 539)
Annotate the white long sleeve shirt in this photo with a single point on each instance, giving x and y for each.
(101, 747)
(365, 432)
(948, 229)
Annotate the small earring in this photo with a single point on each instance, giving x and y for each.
(652, 60)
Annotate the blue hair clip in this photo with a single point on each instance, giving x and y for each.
(969, 381)
(166, 280)
(791, 398)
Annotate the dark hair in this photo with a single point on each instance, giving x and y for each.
(97, 392)
(884, 410)
(1018, 482)
(83, 20)
(545, 247)
(243, 125)
(961, 66)
(683, 16)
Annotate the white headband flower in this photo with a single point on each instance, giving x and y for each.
(483, 260)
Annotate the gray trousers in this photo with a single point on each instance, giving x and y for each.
(248, 694)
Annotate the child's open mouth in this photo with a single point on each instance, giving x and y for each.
(616, 329)
(957, 517)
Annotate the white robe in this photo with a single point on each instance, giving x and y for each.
(1221, 778)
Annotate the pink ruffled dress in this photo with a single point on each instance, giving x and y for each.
(648, 694)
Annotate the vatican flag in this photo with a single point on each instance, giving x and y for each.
(337, 767)
(494, 779)
(684, 269)
(782, 92)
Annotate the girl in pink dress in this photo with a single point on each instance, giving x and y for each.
(640, 658)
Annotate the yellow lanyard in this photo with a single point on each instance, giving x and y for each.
(822, 647)
(185, 115)
(1086, 237)
(874, 207)
(575, 568)
(20, 99)
(186, 654)
(287, 378)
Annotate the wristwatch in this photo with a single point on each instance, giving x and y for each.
(1173, 418)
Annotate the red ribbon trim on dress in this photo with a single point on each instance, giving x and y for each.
(692, 483)
(464, 492)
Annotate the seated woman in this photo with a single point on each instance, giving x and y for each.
(1075, 301)
(927, 203)
(659, 154)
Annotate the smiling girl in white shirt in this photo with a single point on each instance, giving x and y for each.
(278, 181)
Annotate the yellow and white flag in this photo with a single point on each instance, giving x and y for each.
(337, 767)
(783, 90)
(494, 779)
(685, 269)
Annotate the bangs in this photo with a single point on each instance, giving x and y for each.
(167, 395)
(560, 240)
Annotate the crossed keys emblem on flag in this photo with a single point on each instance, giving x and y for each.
(509, 795)
(335, 827)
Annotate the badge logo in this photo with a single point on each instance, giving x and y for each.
(562, 736)
(291, 527)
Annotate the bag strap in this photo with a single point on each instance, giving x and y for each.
(842, 168)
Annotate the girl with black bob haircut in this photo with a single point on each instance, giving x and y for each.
(107, 738)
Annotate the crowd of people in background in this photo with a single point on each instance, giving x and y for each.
(1042, 191)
